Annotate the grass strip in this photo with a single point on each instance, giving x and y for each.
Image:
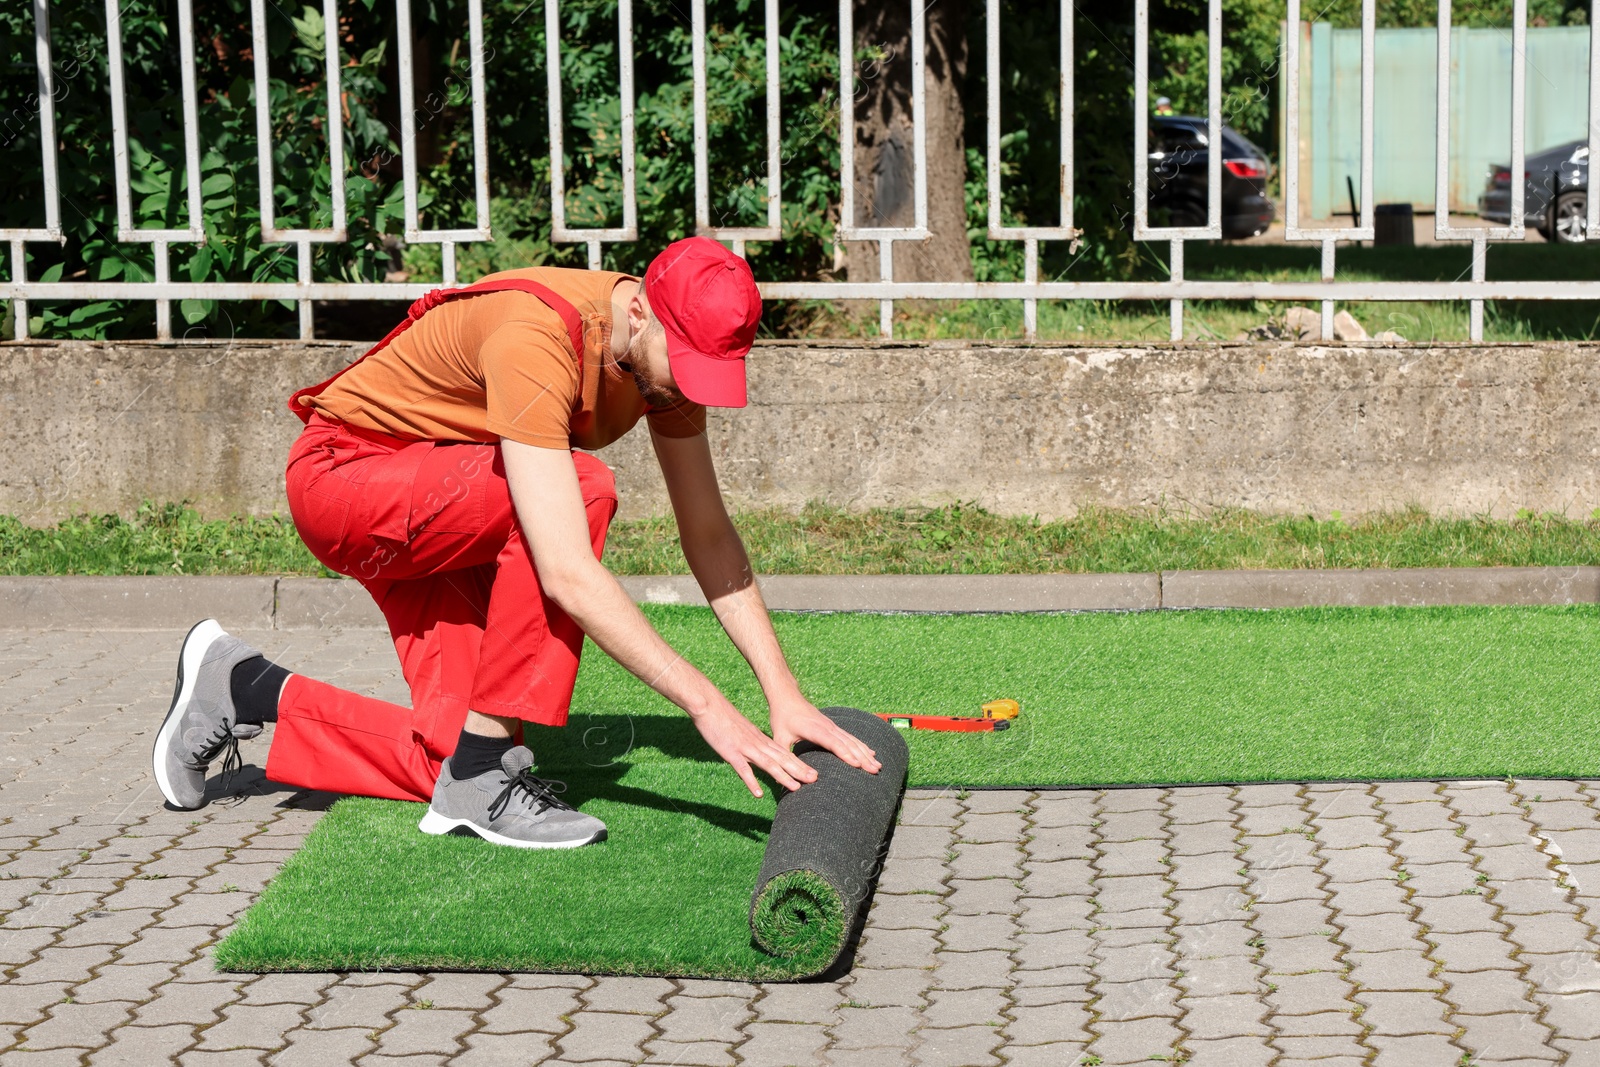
(174, 539)
(1108, 699)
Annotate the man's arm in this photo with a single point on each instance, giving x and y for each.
(549, 504)
(716, 555)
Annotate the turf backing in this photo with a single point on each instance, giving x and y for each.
(1157, 697)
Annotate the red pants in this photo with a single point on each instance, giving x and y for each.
(429, 530)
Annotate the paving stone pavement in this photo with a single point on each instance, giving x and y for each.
(1407, 924)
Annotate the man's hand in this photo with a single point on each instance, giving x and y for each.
(797, 719)
(736, 739)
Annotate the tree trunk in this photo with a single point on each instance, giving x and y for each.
(885, 157)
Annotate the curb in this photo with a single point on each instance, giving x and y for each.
(268, 603)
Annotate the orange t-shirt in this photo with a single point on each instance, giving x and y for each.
(493, 365)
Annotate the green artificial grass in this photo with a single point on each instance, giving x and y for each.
(1108, 699)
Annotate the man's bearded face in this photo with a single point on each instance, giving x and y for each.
(647, 350)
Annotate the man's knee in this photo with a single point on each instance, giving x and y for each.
(595, 479)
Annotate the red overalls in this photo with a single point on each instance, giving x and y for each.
(428, 528)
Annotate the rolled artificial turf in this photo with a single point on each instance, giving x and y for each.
(1108, 699)
(823, 851)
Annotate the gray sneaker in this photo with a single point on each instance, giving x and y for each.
(201, 722)
(509, 807)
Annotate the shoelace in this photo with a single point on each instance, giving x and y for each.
(222, 739)
(541, 791)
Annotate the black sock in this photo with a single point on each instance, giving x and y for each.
(477, 754)
(255, 683)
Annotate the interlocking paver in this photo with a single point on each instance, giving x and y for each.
(1291, 918)
(1564, 972)
(198, 1004)
(1134, 963)
(76, 1025)
(1206, 871)
(1060, 843)
(1147, 857)
(1127, 827)
(899, 986)
(1045, 1055)
(695, 1054)
(1003, 827)
(902, 948)
(784, 1043)
(351, 1005)
(1399, 1014)
(258, 1026)
(1217, 939)
(699, 1019)
(145, 1045)
(1396, 971)
(132, 982)
(1547, 933)
(966, 1007)
(966, 1046)
(1203, 838)
(1327, 1051)
(906, 911)
(860, 1028)
(1370, 898)
(1506, 1036)
(797, 1004)
(1349, 832)
(644, 995)
(1136, 1041)
(1380, 933)
(605, 1035)
(26, 1004)
(1296, 955)
(984, 895)
(1057, 1024)
(1229, 1052)
(972, 970)
(1047, 914)
(1219, 975)
(1473, 951)
(1228, 1015)
(1137, 999)
(1318, 1024)
(432, 1030)
(1288, 883)
(999, 860)
(521, 1010)
(1573, 1015)
(1063, 948)
(1132, 893)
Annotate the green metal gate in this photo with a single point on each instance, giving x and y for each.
(1406, 104)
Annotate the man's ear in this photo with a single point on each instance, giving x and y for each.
(638, 312)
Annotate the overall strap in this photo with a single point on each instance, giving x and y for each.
(432, 299)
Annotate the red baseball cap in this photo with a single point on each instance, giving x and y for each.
(707, 301)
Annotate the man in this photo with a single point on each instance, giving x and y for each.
(441, 471)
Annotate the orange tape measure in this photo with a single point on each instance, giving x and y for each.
(997, 715)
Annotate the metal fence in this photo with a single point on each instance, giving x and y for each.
(1176, 289)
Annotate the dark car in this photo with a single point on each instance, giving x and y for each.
(1179, 156)
(1556, 200)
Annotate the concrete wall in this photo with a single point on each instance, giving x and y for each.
(1018, 428)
